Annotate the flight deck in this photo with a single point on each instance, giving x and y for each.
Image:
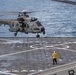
(24, 56)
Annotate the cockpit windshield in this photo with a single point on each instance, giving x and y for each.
(38, 23)
(33, 19)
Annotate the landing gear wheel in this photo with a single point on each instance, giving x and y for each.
(38, 36)
(15, 34)
(43, 32)
(26, 32)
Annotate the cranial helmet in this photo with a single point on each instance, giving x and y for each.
(54, 51)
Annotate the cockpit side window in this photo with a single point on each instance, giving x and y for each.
(38, 23)
(33, 19)
(13, 25)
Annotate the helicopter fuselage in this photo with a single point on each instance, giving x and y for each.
(24, 24)
(31, 26)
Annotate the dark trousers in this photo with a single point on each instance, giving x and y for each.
(54, 61)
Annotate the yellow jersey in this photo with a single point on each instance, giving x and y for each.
(54, 55)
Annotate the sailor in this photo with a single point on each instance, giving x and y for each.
(23, 26)
(54, 57)
(21, 21)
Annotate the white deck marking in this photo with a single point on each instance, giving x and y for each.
(40, 48)
(60, 70)
(65, 49)
(3, 39)
(52, 46)
(72, 66)
(32, 46)
(20, 52)
(2, 72)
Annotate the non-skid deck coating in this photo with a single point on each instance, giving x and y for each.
(23, 56)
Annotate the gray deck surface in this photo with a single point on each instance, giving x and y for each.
(22, 56)
(59, 70)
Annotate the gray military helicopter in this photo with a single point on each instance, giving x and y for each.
(25, 24)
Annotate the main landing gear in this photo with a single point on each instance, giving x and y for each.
(38, 36)
(15, 34)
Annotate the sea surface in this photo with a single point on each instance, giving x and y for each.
(58, 18)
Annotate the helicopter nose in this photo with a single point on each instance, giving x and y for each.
(43, 30)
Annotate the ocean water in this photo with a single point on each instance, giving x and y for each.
(59, 19)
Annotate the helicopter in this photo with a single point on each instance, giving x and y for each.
(25, 24)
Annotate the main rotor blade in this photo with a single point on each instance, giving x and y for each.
(1, 15)
(14, 12)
